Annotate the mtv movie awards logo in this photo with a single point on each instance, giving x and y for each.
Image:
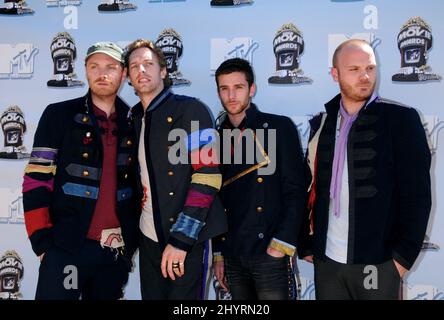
(17, 60)
(15, 7)
(116, 5)
(170, 42)
(288, 46)
(414, 43)
(223, 49)
(63, 53)
(225, 3)
(11, 273)
(13, 126)
(63, 3)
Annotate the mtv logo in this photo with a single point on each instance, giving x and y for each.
(155, 1)
(223, 49)
(432, 127)
(303, 127)
(334, 40)
(307, 289)
(14, 213)
(423, 292)
(17, 61)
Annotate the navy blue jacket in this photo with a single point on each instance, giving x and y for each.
(186, 207)
(62, 179)
(389, 184)
(262, 207)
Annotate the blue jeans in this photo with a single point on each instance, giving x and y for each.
(257, 278)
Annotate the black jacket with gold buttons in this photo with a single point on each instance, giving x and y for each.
(62, 180)
(186, 207)
(263, 191)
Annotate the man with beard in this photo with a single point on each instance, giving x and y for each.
(179, 178)
(78, 188)
(370, 194)
(263, 191)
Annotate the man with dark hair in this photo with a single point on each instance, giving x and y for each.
(180, 208)
(79, 186)
(264, 198)
(370, 195)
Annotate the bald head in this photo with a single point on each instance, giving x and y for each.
(352, 44)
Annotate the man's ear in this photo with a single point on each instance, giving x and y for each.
(335, 74)
(163, 72)
(252, 90)
(124, 73)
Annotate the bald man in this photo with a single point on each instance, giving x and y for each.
(370, 194)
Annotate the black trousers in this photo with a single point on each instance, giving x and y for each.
(257, 278)
(95, 273)
(337, 281)
(155, 287)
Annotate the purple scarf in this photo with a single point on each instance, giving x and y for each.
(339, 158)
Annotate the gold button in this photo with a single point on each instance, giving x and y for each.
(88, 134)
(169, 119)
(130, 159)
(170, 173)
(259, 209)
(260, 180)
(171, 193)
(85, 173)
(225, 210)
(85, 155)
(171, 219)
(223, 239)
(85, 119)
(87, 193)
(129, 142)
(123, 195)
(126, 176)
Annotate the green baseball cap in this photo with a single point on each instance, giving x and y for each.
(109, 48)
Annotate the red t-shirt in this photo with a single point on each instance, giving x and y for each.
(105, 214)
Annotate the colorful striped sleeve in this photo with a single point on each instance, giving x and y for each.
(38, 183)
(206, 181)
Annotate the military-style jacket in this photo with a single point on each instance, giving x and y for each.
(62, 179)
(389, 184)
(186, 207)
(263, 208)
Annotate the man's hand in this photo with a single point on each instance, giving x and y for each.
(219, 272)
(401, 269)
(173, 256)
(275, 253)
(309, 259)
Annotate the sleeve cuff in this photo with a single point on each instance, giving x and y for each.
(282, 246)
(403, 262)
(179, 244)
(217, 257)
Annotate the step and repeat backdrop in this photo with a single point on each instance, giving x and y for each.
(290, 45)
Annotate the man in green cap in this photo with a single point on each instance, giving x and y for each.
(78, 188)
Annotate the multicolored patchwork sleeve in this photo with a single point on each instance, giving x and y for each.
(38, 183)
(206, 179)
